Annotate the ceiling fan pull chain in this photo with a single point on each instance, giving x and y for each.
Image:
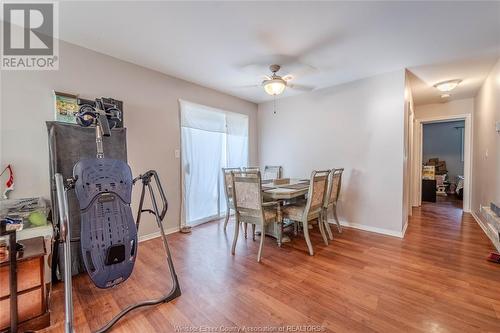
(274, 103)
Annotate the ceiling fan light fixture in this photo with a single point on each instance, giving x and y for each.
(447, 86)
(274, 86)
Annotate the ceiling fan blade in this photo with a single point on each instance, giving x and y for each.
(300, 69)
(266, 77)
(249, 86)
(287, 77)
(255, 68)
(300, 87)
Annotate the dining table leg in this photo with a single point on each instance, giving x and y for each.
(280, 224)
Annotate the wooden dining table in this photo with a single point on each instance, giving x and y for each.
(281, 190)
(286, 190)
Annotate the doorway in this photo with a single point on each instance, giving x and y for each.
(211, 139)
(445, 144)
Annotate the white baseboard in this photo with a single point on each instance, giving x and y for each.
(404, 230)
(371, 229)
(493, 239)
(157, 234)
(478, 220)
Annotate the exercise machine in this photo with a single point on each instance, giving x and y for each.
(103, 188)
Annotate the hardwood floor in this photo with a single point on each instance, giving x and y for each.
(436, 279)
(450, 200)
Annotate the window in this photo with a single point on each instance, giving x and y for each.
(211, 139)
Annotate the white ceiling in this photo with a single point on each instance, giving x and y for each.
(213, 43)
(471, 71)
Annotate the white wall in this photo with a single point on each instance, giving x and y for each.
(452, 108)
(151, 116)
(486, 161)
(358, 126)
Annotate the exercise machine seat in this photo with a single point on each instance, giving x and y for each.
(108, 232)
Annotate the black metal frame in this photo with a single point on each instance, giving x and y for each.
(102, 130)
(146, 180)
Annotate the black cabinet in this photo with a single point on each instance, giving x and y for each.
(428, 190)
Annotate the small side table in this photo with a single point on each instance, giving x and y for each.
(33, 312)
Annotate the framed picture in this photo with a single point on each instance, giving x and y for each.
(66, 107)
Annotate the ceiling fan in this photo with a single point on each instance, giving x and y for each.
(275, 84)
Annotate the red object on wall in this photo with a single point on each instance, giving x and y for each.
(9, 185)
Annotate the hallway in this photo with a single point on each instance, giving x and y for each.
(436, 279)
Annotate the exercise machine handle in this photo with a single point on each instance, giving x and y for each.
(146, 179)
(65, 235)
(62, 204)
(104, 124)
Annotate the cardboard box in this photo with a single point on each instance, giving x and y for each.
(429, 172)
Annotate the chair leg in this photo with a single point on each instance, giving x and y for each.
(245, 225)
(235, 239)
(228, 212)
(306, 236)
(253, 231)
(339, 227)
(322, 228)
(261, 246)
(327, 225)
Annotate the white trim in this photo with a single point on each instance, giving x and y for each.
(484, 226)
(368, 228)
(157, 234)
(403, 233)
(481, 224)
(467, 162)
(478, 220)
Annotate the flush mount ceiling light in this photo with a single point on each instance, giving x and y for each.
(447, 86)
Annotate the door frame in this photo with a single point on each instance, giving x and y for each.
(418, 152)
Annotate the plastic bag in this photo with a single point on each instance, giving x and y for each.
(28, 212)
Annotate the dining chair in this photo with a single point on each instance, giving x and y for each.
(226, 172)
(249, 206)
(272, 172)
(312, 208)
(331, 198)
(250, 168)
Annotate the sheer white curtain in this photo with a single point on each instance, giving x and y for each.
(211, 139)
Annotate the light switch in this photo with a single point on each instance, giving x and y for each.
(177, 153)
(486, 154)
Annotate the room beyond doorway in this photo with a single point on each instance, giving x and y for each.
(445, 144)
(443, 151)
